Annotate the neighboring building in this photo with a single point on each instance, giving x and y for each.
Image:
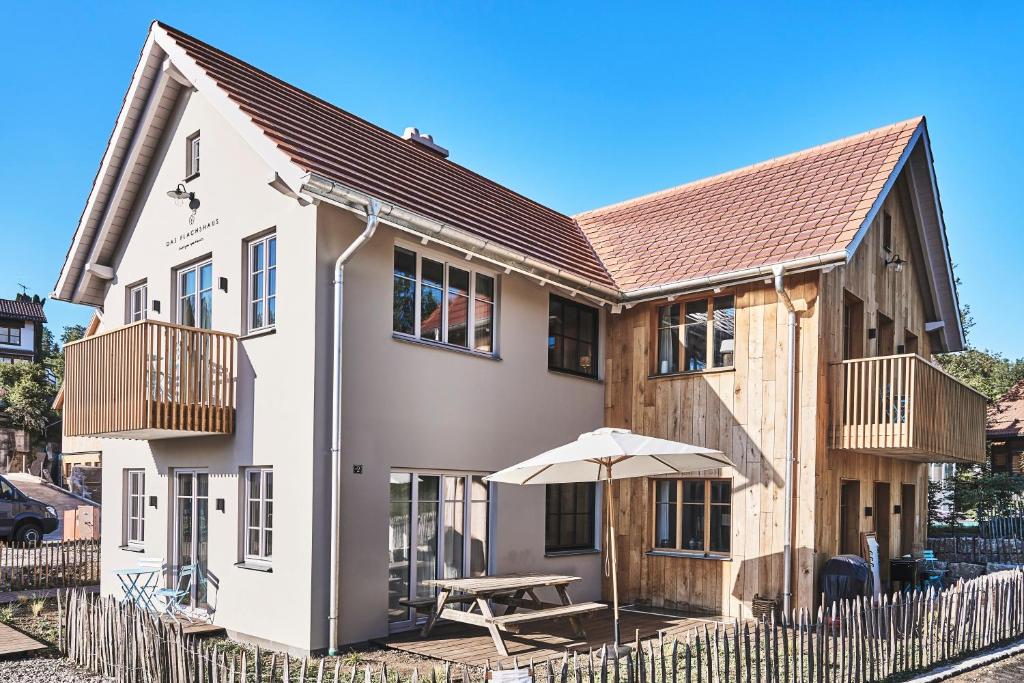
(1005, 431)
(481, 328)
(21, 328)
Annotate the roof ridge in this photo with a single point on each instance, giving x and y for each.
(416, 149)
(917, 120)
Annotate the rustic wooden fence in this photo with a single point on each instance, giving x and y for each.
(57, 564)
(1008, 526)
(854, 640)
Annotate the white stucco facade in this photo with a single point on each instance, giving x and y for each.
(407, 405)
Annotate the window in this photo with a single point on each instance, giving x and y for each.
(263, 283)
(438, 527)
(138, 298)
(684, 344)
(570, 512)
(909, 342)
(693, 515)
(9, 334)
(432, 301)
(259, 513)
(853, 327)
(886, 342)
(572, 337)
(192, 155)
(135, 512)
(887, 232)
(195, 295)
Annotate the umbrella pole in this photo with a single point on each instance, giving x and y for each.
(611, 549)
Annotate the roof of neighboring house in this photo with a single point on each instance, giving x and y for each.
(322, 138)
(806, 204)
(22, 309)
(1006, 416)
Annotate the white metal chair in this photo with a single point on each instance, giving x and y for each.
(174, 597)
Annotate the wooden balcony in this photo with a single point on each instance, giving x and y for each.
(905, 407)
(150, 380)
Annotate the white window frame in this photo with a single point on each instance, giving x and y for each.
(192, 157)
(135, 488)
(264, 272)
(196, 295)
(450, 262)
(259, 556)
(140, 313)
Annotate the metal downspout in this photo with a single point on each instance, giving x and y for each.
(372, 215)
(787, 548)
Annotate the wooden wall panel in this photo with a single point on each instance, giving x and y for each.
(740, 411)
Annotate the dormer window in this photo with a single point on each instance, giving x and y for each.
(192, 156)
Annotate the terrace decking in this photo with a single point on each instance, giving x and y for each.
(13, 643)
(462, 644)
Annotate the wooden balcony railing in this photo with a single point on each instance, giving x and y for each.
(150, 380)
(905, 407)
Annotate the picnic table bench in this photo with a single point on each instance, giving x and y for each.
(515, 591)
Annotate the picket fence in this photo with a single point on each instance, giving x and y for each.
(855, 640)
(51, 564)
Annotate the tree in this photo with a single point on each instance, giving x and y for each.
(53, 354)
(989, 372)
(26, 396)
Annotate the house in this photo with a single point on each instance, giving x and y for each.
(783, 313)
(1005, 431)
(21, 328)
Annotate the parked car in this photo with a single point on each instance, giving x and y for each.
(24, 519)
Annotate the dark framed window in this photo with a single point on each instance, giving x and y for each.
(573, 330)
(887, 232)
(693, 515)
(684, 341)
(9, 334)
(570, 511)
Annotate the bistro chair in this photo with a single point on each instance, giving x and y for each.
(931, 575)
(174, 597)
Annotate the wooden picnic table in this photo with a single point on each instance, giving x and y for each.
(515, 591)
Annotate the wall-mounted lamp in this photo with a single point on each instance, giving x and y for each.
(152, 501)
(223, 282)
(894, 263)
(156, 305)
(180, 194)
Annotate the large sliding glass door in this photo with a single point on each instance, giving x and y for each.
(191, 530)
(438, 528)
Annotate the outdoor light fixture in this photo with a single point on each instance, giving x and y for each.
(894, 263)
(180, 194)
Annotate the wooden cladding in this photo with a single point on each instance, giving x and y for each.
(905, 407)
(150, 380)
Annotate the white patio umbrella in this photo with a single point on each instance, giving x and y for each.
(606, 454)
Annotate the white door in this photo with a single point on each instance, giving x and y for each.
(191, 530)
(195, 295)
(438, 528)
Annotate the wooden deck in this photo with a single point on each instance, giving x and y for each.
(470, 645)
(14, 643)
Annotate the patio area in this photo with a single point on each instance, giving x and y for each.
(461, 644)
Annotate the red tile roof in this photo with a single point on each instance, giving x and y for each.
(1006, 416)
(321, 138)
(806, 204)
(22, 310)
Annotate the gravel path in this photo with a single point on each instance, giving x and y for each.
(43, 670)
(1007, 671)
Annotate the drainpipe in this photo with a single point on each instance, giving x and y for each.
(787, 549)
(372, 212)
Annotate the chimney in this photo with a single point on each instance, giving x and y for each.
(425, 140)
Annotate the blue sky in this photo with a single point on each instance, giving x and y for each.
(574, 105)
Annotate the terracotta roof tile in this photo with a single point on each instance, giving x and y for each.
(1006, 416)
(19, 309)
(324, 139)
(810, 203)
